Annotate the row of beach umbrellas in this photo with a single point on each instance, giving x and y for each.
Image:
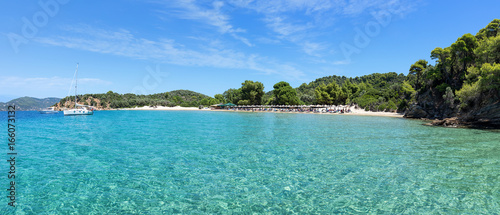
(288, 106)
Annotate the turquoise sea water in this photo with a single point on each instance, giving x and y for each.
(196, 162)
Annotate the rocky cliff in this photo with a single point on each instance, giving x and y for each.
(431, 106)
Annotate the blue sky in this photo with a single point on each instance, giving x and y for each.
(155, 46)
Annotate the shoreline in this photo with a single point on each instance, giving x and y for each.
(164, 108)
(354, 112)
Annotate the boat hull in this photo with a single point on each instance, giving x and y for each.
(78, 112)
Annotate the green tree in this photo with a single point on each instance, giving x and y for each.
(220, 98)
(232, 95)
(307, 99)
(417, 69)
(448, 97)
(284, 94)
(244, 102)
(322, 95)
(491, 30)
(487, 85)
(490, 78)
(348, 91)
(488, 50)
(329, 94)
(177, 100)
(463, 50)
(252, 92)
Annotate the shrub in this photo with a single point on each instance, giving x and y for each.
(442, 87)
(468, 94)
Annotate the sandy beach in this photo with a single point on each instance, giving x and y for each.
(362, 112)
(165, 108)
(354, 111)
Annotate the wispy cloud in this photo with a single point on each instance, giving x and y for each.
(300, 22)
(123, 43)
(43, 86)
(341, 62)
(280, 6)
(312, 49)
(46, 82)
(356, 7)
(280, 16)
(284, 29)
(315, 7)
(212, 15)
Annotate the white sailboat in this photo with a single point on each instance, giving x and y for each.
(79, 109)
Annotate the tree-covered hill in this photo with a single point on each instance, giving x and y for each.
(464, 82)
(29, 103)
(376, 92)
(112, 100)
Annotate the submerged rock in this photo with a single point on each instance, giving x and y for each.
(448, 122)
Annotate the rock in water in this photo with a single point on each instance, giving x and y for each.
(487, 116)
(415, 111)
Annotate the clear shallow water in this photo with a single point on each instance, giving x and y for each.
(189, 162)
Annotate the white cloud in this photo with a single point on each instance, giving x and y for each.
(279, 6)
(43, 86)
(315, 7)
(312, 49)
(124, 43)
(283, 28)
(301, 22)
(213, 15)
(44, 82)
(297, 21)
(341, 62)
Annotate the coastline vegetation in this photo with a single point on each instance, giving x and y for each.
(184, 98)
(464, 79)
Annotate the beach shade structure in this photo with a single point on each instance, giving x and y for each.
(229, 105)
(217, 106)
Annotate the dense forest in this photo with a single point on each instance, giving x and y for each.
(463, 82)
(376, 92)
(112, 100)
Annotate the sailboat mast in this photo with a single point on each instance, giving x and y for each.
(76, 82)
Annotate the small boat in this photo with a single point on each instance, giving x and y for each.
(79, 109)
(49, 110)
